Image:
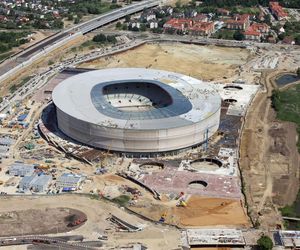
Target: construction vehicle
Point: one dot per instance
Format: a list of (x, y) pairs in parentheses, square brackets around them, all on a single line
[(181, 203), (163, 217), (43, 167)]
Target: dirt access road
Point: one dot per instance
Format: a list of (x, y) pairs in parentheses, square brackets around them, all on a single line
[(269, 159)]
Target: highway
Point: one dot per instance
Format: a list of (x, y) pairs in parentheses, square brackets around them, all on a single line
[(28, 56), (48, 241)]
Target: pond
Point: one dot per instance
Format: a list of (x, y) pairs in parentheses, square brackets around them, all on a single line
[(286, 79)]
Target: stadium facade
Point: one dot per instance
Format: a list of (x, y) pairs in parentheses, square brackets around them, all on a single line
[(136, 110)]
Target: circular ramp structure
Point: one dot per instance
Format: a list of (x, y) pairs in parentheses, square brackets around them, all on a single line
[(136, 110)]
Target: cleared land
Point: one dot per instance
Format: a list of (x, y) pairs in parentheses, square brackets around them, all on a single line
[(204, 62), (33, 221), (200, 211)]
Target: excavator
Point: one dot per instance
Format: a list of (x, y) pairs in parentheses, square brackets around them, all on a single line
[(181, 203)]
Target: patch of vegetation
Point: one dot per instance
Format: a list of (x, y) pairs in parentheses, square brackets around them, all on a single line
[(291, 210), (8, 40), (287, 106), (91, 7), (224, 34), (265, 243), (122, 200), (103, 39)]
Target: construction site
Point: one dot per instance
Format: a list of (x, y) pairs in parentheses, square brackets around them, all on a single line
[(191, 197)]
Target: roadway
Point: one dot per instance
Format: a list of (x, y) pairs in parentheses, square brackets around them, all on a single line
[(43, 241)]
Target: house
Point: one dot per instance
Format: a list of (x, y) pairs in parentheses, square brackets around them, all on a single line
[(68, 180), (223, 12), (134, 23), (278, 11), (148, 15), (201, 18), (185, 25), (153, 24), (256, 31), (202, 29), (178, 24), (238, 22)]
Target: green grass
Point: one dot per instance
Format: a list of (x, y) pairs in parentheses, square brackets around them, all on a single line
[(287, 105), (122, 200), (292, 211)]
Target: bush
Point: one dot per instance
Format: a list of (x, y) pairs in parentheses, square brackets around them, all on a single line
[(265, 243)]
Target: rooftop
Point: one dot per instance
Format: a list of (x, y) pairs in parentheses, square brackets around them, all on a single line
[(136, 98)]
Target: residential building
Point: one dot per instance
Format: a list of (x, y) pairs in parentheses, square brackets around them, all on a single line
[(178, 24), (21, 169), (238, 22), (192, 26), (202, 29), (256, 31), (278, 11), (223, 12)]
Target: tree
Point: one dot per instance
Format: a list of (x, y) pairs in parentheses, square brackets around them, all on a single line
[(265, 243), (127, 19), (99, 38), (238, 35), (70, 17), (119, 25), (298, 72), (143, 27)]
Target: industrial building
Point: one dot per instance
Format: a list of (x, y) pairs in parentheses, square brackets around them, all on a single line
[(137, 111), (36, 183), (215, 237), (20, 169), (68, 181)]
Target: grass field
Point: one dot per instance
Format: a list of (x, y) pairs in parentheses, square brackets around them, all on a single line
[(287, 105)]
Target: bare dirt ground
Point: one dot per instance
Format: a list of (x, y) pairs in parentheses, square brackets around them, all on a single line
[(153, 236), (33, 221), (204, 62), (200, 212), (269, 158)]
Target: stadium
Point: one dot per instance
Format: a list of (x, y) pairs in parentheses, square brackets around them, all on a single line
[(135, 110)]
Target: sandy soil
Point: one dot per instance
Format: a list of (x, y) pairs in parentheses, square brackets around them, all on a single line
[(33, 221), (200, 212), (204, 62)]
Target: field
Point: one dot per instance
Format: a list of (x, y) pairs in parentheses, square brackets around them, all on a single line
[(203, 62), (200, 211), (287, 106)]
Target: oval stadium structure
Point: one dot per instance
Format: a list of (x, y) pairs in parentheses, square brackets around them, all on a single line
[(135, 110)]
